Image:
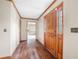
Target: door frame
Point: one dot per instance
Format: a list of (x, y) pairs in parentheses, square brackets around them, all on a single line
[(27, 26)]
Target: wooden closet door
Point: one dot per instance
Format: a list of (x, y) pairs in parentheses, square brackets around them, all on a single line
[(53, 33), (60, 30), (47, 30), (50, 33)]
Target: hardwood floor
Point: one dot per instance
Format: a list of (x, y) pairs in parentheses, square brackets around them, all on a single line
[(6, 57), (31, 50)]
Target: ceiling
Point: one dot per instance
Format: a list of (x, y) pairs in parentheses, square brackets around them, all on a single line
[(32, 8)]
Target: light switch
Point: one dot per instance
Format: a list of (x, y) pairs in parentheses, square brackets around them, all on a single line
[(74, 30), (5, 30)]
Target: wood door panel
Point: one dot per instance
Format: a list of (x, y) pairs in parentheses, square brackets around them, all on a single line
[(47, 40), (59, 56), (60, 44), (53, 46), (53, 34), (50, 33)]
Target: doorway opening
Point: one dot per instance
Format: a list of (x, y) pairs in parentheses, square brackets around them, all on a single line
[(31, 30)]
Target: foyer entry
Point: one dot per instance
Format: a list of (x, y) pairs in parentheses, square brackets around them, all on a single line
[(31, 30)]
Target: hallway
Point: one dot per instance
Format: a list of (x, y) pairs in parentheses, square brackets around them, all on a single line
[(31, 50), (38, 29)]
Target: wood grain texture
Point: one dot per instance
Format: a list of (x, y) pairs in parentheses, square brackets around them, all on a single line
[(52, 36), (46, 9), (8, 57), (50, 32), (31, 50)]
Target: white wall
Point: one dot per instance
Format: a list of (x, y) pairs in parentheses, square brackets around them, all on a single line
[(23, 29), (4, 23), (14, 29), (8, 20), (40, 30), (70, 21)]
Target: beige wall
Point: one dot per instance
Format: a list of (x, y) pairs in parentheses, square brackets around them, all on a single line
[(40, 30), (4, 24), (14, 28), (8, 20), (23, 29), (70, 20)]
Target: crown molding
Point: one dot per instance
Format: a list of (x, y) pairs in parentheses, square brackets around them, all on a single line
[(15, 8), (19, 13), (29, 18), (8, 0), (47, 9)]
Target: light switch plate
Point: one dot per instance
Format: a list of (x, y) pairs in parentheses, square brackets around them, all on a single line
[(5, 30), (74, 30)]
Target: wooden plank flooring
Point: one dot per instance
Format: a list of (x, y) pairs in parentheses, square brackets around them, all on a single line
[(8, 57), (31, 50)]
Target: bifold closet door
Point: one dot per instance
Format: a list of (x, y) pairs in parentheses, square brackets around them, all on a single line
[(53, 35), (60, 30), (50, 32)]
